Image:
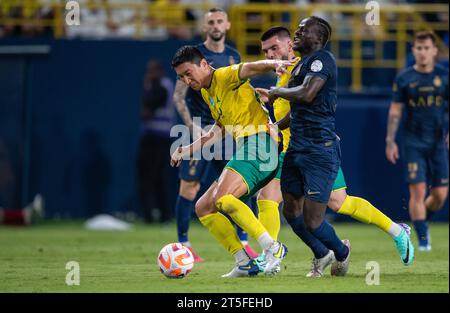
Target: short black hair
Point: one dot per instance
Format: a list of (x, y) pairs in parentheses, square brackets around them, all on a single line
[(280, 31), (325, 29), (187, 54)]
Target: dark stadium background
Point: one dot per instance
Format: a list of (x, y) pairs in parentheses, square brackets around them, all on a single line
[(70, 123)]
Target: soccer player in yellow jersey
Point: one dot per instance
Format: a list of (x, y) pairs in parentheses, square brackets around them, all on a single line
[(236, 108), (276, 44)]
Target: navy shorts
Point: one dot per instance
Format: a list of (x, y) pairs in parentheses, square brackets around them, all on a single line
[(426, 164), (197, 170), (311, 171)]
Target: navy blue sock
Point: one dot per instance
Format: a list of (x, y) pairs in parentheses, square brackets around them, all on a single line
[(326, 234), (430, 214), (421, 228), (243, 236), (183, 210), (298, 226)]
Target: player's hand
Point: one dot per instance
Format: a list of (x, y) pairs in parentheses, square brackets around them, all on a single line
[(281, 66), (273, 94), (177, 157), (273, 131), (263, 94), (392, 152)]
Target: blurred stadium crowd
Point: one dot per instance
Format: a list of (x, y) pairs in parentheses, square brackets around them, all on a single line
[(151, 19)]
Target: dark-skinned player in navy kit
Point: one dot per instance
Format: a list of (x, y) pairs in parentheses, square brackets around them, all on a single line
[(313, 157)]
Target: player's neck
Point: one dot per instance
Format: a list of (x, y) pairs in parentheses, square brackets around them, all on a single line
[(209, 78), (215, 46), (307, 52), (428, 68)]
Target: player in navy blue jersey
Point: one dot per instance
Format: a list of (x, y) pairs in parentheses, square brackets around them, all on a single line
[(313, 157), (422, 91), (190, 104)]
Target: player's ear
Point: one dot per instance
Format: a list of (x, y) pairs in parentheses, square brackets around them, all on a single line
[(290, 44), (203, 64), (228, 25), (435, 51)]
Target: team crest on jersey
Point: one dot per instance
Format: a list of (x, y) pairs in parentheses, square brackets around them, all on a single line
[(211, 101), (437, 81), (231, 60), (316, 66)]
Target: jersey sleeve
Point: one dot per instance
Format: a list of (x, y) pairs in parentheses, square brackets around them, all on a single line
[(229, 76), (323, 66), (398, 94)]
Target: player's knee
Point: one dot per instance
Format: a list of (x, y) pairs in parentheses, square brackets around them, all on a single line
[(418, 192), (312, 223), (439, 199), (203, 207), (189, 189), (270, 195), (337, 199), (289, 208), (334, 204)]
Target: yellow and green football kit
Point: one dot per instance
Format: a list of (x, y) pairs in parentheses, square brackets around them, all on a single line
[(235, 105)]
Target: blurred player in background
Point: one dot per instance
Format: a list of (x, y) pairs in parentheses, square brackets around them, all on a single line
[(423, 90), (157, 114), (189, 104), (276, 44), (237, 109)]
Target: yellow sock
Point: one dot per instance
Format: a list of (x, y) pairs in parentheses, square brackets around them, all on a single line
[(361, 210), (241, 214), (223, 231), (269, 216)]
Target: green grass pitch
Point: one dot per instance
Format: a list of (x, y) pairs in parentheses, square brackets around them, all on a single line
[(33, 259)]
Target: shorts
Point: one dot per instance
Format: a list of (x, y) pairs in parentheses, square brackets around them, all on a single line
[(426, 164), (197, 170), (339, 183), (256, 161), (311, 171)]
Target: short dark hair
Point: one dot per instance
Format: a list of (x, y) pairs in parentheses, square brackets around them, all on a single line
[(216, 9), (325, 29), (425, 34), (279, 31), (187, 54)]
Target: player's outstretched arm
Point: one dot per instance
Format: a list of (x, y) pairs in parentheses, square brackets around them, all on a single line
[(395, 115), (213, 135), (250, 69), (305, 93)]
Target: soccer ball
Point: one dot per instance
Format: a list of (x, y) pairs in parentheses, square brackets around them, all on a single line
[(175, 260)]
